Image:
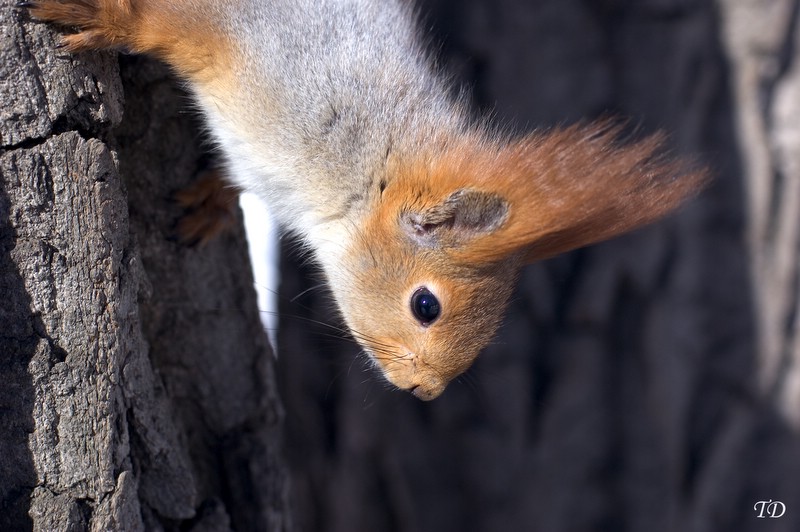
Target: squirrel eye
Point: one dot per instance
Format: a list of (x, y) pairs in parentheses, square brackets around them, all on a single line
[(425, 306)]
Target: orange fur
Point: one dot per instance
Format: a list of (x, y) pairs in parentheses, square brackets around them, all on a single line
[(191, 45), (566, 188), (580, 185)]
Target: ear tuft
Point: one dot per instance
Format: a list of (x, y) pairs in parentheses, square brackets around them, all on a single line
[(463, 215), (575, 186)]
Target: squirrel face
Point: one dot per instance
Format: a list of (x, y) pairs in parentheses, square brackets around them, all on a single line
[(430, 269), (421, 310), (420, 315)]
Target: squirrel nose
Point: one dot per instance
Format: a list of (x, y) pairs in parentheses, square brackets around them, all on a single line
[(430, 388)]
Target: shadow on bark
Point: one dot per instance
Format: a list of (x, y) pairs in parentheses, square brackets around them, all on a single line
[(18, 345)]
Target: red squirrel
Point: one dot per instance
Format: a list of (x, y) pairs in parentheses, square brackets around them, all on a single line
[(420, 216)]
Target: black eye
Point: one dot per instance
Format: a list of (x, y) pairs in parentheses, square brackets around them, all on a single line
[(425, 306)]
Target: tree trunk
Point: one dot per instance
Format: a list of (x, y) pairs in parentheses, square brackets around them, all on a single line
[(763, 44), (138, 386), (647, 383)]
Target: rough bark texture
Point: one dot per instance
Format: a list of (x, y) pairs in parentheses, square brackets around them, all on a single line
[(648, 383), (138, 387)]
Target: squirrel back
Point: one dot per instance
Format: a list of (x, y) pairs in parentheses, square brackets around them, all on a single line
[(421, 218)]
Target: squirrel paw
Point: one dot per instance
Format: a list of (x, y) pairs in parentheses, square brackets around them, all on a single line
[(210, 204), (102, 23)]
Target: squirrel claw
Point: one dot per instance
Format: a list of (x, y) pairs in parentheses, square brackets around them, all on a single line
[(210, 209)]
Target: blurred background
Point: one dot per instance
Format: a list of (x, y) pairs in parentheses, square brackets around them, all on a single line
[(649, 383)]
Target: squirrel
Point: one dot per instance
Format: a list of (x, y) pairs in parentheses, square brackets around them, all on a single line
[(420, 215)]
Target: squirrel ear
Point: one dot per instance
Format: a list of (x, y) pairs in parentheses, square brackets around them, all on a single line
[(463, 215), (577, 186)]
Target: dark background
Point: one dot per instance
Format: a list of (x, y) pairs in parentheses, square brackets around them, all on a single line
[(626, 389)]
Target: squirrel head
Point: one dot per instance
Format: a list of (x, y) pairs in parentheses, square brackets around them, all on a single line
[(429, 274)]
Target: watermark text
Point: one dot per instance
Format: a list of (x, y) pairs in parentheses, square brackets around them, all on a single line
[(769, 509)]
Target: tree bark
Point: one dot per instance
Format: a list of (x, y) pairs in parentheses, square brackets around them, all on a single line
[(647, 383), (138, 386)]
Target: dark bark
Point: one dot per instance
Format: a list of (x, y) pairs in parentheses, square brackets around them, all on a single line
[(138, 387), (626, 390)]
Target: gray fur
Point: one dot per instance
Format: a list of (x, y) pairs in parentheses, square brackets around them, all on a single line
[(329, 88)]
